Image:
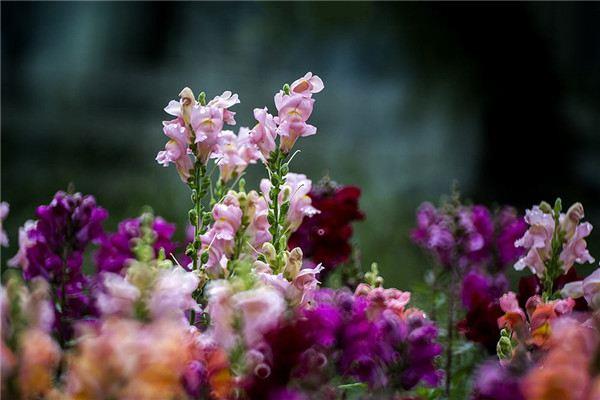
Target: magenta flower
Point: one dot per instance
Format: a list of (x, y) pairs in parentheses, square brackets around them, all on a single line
[(434, 232), (116, 249)]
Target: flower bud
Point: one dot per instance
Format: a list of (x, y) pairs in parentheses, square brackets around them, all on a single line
[(293, 263), (269, 252), (187, 101)]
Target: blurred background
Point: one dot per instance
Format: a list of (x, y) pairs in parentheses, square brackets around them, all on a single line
[(503, 99)]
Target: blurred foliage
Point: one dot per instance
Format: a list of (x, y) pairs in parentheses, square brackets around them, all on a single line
[(502, 98)]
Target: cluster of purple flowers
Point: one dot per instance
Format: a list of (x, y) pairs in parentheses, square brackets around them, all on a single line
[(469, 236), (52, 247), (116, 249), (367, 337)]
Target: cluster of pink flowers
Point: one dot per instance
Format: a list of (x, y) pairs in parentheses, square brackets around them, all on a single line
[(544, 227)]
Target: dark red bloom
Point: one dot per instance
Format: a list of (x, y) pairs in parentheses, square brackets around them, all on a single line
[(325, 238)]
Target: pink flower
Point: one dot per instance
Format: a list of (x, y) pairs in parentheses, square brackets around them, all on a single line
[(219, 238), (234, 153), (264, 133), (591, 289), (4, 208), (293, 107), (25, 242), (258, 229), (537, 239), (261, 309), (224, 101), (297, 187), (300, 202), (307, 85), (207, 122), (118, 295), (220, 308), (514, 315), (575, 249), (176, 150), (181, 109), (172, 293)]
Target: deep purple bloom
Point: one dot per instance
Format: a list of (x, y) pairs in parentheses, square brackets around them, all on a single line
[(495, 382), (117, 248), (54, 250), (510, 228), (325, 237), (195, 379), (480, 296)]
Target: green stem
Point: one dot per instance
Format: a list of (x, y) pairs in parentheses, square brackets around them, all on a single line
[(278, 170), (450, 333)]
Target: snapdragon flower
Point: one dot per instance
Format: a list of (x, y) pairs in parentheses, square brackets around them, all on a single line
[(588, 288), (549, 232), (234, 153), (264, 132), (295, 190)]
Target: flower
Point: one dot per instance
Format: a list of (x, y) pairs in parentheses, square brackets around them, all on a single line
[(324, 238), (511, 228), (176, 150), (264, 132), (514, 315), (434, 232), (118, 295), (307, 85), (496, 382), (589, 288), (4, 208), (261, 309), (224, 101), (234, 153), (219, 238), (172, 293), (538, 240), (480, 296), (117, 249), (52, 247)]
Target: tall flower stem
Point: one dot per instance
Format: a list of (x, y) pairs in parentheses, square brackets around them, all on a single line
[(277, 214)]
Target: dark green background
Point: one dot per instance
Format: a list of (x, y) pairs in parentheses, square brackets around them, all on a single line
[(504, 99)]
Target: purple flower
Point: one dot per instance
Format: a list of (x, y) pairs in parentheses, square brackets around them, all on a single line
[(511, 228), (52, 247), (434, 232), (495, 382), (117, 248)]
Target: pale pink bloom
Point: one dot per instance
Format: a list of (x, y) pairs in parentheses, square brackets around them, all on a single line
[(224, 101), (588, 288), (290, 131), (575, 249), (306, 280), (220, 309), (591, 289), (4, 208), (176, 150), (297, 187), (38, 361), (537, 240), (307, 85), (181, 109), (261, 309), (264, 133), (172, 293), (227, 216), (293, 107), (25, 242), (234, 153), (300, 202), (563, 306), (258, 229), (207, 123), (118, 295)]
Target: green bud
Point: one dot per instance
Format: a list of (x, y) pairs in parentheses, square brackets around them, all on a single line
[(206, 217), (271, 218), (202, 98), (285, 168), (193, 216), (284, 209), (204, 257), (504, 347), (545, 207), (558, 205), (242, 185), (286, 89)]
